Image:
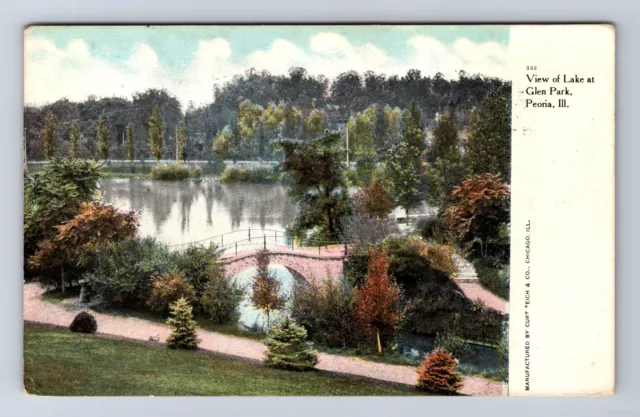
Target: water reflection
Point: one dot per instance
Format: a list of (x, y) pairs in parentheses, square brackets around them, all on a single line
[(181, 212)]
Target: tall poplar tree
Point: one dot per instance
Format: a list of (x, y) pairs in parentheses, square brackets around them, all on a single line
[(155, 130), (182, 141), (74, 138), (129, 142), (102, 140), (49, 136)]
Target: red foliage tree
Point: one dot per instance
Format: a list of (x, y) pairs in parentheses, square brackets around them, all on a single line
[(479, 210), (93, 226), (438, 374), (265, 287), (376, 302), (375, 200)]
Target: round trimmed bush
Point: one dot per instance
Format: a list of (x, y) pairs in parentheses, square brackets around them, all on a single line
[(84, 323)]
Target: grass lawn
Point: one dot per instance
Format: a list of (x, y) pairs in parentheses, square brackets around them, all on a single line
[(58, 362)]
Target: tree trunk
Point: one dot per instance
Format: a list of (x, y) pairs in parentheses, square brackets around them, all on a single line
[(379, 344), (62, 275)]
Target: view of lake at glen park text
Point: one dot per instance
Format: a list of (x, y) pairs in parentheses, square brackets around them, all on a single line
[(319, 210)]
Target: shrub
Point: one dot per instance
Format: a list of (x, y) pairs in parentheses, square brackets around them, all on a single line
[(438, 374), (174, 172), (250, 175), (221, 299), (167, 289), (437, 306), (84, 322), (364, 230), (450, 342), (183, 326), (198, 265), (440, 258), (431, 228), (93, 226), (492, 276), (287, 348), (408, 264), (325, 310), (122, 272)]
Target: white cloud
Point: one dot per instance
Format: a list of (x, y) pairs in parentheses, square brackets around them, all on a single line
[(52, 73)]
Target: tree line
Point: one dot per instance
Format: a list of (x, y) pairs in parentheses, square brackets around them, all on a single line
[(249, 113)]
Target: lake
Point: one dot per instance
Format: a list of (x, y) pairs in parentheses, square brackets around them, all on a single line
[(180, 212)]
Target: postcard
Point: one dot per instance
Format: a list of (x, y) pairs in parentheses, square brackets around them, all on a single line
[(361, 210)]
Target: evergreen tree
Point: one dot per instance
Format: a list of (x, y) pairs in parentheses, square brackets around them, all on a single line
[(129, 140), (49, 136), (489, 144), (183, 326), (102, 140), (287, 348), (317, 185), (376, 301), (438, 374), (74, 138), (155, 130), (412, 127), (265, 287), (404, 164), (445, 169)]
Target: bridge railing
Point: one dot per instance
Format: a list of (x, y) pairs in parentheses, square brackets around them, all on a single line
[(269, 238)]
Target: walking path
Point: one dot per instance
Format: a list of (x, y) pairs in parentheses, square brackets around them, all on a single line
[(37, 310), (467, 281)]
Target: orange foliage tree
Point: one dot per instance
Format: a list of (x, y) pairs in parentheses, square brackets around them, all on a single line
[(376, 302), (375, 200), (438, 374), (265, 287), (479, 213), (93, 226)]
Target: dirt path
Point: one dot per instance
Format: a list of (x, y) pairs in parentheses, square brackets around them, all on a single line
[(37, 310)]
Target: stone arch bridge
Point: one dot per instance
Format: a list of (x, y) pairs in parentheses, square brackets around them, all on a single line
[(307, 263)]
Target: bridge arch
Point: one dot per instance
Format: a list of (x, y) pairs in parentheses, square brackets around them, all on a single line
[(305, 265)]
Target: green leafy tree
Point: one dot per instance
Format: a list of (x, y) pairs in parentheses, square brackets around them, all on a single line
[(489, 144), (74, 138), (265, 295), (53, 196), (446, 169), (183, 326), (317, 185), (362, 132), (182, 141), (412, 127), (315, 123), (287, 348), (102, 139), (155, 130), (129, 140), (49, 136)]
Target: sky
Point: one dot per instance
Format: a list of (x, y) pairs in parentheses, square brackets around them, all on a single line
[(106, 61)]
